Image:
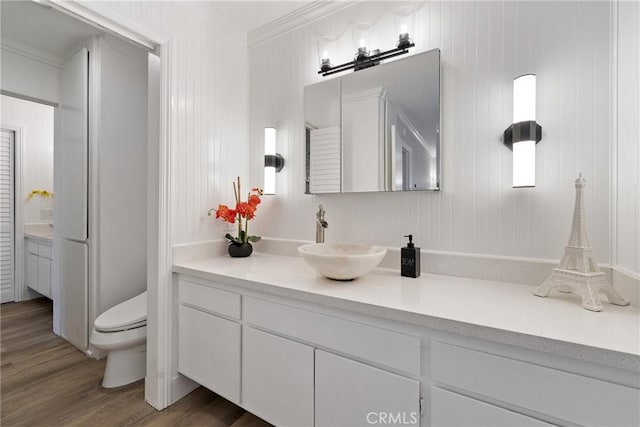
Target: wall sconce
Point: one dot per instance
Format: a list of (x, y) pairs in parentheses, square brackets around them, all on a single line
[(404, 20), (523, 135), (273, 162), (366, 57)]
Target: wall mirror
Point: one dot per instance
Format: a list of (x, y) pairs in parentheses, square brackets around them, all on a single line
[(377, 129)]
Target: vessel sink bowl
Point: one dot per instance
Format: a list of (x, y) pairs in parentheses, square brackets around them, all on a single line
[(342, 261)]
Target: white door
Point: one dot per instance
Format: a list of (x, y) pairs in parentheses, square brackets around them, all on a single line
[(7, 212), (74, 146), (75, 282), (72, 143), (209, 351), (277, 378), (350, 393)]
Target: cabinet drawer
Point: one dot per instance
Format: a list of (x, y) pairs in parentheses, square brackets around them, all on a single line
[(209, 351), (560, 394), (210, 299), (44, 251), (350, 393), (377, 345), (31, 246), (452, 409)]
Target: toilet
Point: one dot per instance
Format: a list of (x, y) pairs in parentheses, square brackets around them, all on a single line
[(122, 331)]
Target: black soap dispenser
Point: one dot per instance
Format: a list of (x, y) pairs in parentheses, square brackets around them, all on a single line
[(410, 259)]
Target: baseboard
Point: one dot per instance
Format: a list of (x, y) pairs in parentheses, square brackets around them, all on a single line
[(180, 387)]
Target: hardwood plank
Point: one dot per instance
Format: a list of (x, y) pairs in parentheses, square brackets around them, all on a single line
[(46, 381)]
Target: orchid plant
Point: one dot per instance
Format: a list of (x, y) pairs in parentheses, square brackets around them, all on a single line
[(42, 193), (242, 214)]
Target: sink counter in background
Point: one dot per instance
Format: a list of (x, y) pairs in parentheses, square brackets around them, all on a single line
[(39, 231), (502, 312)]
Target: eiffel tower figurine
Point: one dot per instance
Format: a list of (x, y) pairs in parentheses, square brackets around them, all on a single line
[(578, 269)]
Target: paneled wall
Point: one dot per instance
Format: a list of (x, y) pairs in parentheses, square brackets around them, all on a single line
[(208, 116), (484, 45), (627, 160), (36, 122)]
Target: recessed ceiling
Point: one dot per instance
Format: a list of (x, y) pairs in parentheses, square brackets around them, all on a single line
[(43, 29), (247, 16)]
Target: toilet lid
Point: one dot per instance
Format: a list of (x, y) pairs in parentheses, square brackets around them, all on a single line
[(127, 315)]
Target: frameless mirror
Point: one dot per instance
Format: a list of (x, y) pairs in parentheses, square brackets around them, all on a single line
[(377, 129)]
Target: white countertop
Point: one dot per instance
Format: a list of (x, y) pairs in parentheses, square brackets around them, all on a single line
[(497, 311), (39, 231)]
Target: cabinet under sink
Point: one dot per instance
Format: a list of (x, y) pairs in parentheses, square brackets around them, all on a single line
[(38, 259), (295, 363)]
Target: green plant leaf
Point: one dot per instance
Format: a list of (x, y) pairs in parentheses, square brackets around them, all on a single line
[(254, 238), (232, 239)]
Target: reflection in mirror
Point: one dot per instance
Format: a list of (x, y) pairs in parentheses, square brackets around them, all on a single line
[(322, 123), (387, 133)]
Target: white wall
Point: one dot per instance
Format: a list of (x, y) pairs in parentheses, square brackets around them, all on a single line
[(208, 116), (36, 121), (29, 73), (627, 160), (484, 46)]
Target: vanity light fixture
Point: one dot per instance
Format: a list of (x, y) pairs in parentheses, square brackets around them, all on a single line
[(523, 135), (366, 57), (325, 51), (404, 20), (273, 162)]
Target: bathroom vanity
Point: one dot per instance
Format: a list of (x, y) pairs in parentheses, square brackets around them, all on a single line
[(294, 348), (38, 258)]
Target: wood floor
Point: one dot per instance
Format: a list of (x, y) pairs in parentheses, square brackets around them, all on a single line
[(45, 381)]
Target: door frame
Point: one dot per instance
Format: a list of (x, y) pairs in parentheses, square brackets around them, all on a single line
[(18, 221), (160, 388)]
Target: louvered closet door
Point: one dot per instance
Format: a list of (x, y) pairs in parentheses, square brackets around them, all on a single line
[(6, 217), (324, 170)]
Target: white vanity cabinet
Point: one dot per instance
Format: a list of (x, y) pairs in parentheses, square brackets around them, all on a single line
[(298, 363), (38, 260), (209, 343), (287, 380)]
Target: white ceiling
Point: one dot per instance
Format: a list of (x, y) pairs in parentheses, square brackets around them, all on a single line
[(48, 31), (247, 16), (42, 28)]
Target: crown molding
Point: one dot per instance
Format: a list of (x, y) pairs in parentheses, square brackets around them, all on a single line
[(31, 53), (296, 19)]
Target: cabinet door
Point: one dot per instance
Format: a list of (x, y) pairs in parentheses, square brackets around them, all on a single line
[(350, 393), (277, 378), (452, 409), (209, 351), (44, 276), (31, 270)]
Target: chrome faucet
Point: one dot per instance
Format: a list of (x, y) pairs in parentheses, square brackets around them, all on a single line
[(321, 224)]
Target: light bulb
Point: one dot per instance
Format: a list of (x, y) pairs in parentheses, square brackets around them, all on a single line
[(524, 164)]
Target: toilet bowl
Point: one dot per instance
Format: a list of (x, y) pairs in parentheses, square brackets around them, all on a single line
[(122, 331)]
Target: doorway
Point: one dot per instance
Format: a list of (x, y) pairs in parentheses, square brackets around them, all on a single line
[(158, 384), (7, 216)]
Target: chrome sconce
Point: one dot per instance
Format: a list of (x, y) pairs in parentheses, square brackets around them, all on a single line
[(523, 135), (273, 162), (365, 57)]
